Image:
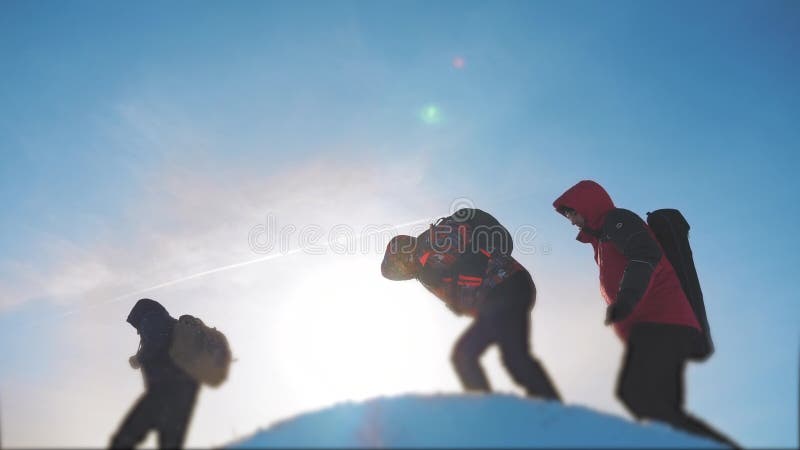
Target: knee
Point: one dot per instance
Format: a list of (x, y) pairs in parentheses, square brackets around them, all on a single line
[(461, 357)]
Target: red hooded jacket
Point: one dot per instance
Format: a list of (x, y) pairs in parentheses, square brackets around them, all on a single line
[(663, 300)]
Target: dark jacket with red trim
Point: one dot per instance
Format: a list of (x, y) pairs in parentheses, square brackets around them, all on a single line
[(636, 280), (461, 258)]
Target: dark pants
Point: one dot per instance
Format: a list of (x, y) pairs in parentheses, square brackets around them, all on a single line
[(165, 409), (505, 319), (651, 382)]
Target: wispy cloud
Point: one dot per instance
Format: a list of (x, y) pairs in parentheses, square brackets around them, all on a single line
[(192, 219), (293, 317)]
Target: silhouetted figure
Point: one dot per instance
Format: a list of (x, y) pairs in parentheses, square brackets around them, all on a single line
[(646, 304), (465, 260), (169, 398)]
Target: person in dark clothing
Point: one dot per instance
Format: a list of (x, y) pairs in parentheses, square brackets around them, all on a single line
[(170, 394), (646, 305), (475, 275), (505, 320)]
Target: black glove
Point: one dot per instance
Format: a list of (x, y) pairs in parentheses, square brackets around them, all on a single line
[(134, 361), (620, 309)]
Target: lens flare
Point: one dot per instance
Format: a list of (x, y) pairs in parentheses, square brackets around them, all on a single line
[(458, 62), (431, 115)]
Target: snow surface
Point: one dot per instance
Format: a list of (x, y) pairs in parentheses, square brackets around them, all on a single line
[(465, 421)]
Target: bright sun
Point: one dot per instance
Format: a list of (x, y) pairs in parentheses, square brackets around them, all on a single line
[(359, 336)]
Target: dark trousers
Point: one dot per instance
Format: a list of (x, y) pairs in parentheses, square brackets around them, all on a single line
[(165, 409), (505, 319), (651, 382)]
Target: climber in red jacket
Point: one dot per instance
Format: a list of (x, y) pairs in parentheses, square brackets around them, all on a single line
[(646, 305)]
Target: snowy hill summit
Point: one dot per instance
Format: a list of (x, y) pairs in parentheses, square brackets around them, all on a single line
[(451, 420)]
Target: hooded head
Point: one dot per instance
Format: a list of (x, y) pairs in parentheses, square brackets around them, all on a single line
[(398, 261), (588, 199), (145, 307)]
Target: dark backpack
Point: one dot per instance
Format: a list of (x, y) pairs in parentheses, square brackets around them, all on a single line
[(470, 230), (200, 351), (672, 231)]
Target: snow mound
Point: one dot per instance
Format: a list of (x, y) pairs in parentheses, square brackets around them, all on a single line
[(465, 421)]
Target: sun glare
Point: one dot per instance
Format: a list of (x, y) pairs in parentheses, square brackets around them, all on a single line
[(431, 115), (359, 334)]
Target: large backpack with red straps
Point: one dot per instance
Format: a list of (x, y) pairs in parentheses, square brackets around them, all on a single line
[(464, 255), (469, 230), (672, 231)]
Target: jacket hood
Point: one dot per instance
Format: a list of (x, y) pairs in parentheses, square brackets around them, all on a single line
[(589, 199), (143, 308)]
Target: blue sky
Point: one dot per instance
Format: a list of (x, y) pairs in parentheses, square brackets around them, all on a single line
[(126, 125)]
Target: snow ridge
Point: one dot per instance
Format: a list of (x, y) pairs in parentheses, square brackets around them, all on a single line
[(465, 420)]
